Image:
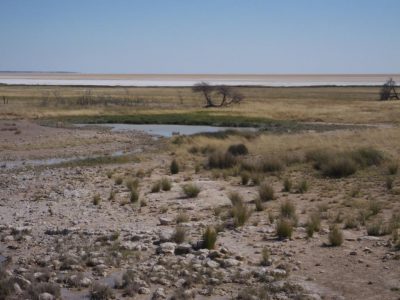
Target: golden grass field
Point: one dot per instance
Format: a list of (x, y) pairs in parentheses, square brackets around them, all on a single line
[(355, 105)]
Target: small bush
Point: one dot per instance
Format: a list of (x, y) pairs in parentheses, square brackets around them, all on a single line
[(288, 210), (265, 257), (350, 222), (266, 192), (245, 177), (182, 218), (389, 183), (179, 235), (209, 237), (284, 228), (287, 185), (271, 165), (134, 197), (259, 205), (101, 292), (111, 197), (377, 228), (191, 190), (313, 224), (132, 184), (96, 199), (367, 157), (174, 167), (118, 180), (302, 187), (235, 198), (166, 184), (335, 236), (156, 187), (238, 149), (339, 167), (393, 168), (220, 160), (240, 213), (374, 207)]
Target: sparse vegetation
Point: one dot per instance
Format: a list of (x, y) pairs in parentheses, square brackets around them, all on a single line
[(134, 196), (179, 235), (284, 228), (209, 237), (238, 149), (302, 187), (166, 184), (266, 192), (313, 224), (96, 199), (174, 167), (101, 292), (191, 190), (182, 217), (287, 185), (335, 236), (156, 187)]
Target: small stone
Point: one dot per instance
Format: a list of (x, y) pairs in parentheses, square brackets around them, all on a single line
[(46, 296), (144, 291)]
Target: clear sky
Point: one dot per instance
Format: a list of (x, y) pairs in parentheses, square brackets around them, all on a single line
[(201, 36)]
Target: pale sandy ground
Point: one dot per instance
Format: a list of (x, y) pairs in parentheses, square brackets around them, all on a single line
[(190, 79)]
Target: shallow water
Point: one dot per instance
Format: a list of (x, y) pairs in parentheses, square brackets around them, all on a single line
[(169, 130)]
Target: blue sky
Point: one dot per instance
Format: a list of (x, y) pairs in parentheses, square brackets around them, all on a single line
[(201, 36)]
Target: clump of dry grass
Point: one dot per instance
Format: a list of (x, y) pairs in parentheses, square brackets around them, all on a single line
[(182, 217), (191, 190), (238, 149), (179, 235), (239, 211), (209, 237), (266, 192), (313, 224), (156, 187), (221, 160), (335, 236), (284, 228), (174, 167), (287, 185), (96, 199)]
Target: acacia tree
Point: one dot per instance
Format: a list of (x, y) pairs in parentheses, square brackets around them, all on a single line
[(227, 94), (388, 90)]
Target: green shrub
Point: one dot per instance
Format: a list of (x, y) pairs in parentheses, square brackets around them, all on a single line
[(209, 238), (174, 167), (179, 235), (245, 177), (220, 160), (156, 187), (238, 149), (335, 236), (96, 199), (287, 185), (284, 228), (191, 190), (266, 192), (134, 197), (166, 184)]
